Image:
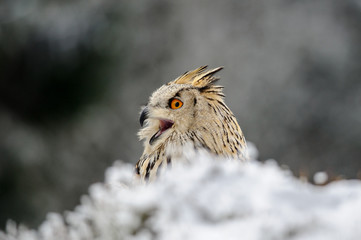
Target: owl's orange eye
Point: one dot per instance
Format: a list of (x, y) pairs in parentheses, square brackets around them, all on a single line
[(175, 103)]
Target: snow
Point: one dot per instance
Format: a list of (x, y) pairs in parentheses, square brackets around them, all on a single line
[(320, 178), (207, 199)]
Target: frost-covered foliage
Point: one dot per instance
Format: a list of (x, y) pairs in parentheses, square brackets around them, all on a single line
[(207, 199)]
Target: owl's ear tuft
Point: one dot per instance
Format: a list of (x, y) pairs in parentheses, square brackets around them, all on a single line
[(199, 77), (203, 80)]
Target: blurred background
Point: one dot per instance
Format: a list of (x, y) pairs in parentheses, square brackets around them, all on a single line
[(74, 74)]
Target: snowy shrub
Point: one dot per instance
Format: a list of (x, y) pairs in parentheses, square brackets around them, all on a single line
[(207, 199)]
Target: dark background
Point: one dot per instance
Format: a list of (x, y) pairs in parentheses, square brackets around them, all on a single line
[(74, 74)]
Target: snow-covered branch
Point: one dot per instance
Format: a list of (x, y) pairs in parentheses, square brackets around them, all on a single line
[(208, 199)]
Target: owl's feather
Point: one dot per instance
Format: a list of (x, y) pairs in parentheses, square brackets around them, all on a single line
[(203, 121), (198, 77)]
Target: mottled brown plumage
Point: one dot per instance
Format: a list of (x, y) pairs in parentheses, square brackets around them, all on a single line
[(187, 112)]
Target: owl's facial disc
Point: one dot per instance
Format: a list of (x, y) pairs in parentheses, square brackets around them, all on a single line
[(164, 125)]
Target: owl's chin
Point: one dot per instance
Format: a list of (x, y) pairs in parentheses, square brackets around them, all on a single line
[(164, 125)]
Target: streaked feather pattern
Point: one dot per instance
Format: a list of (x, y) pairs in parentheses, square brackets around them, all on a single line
[(202, 122)]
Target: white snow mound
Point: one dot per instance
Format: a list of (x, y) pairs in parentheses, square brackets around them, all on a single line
[(207, 199)]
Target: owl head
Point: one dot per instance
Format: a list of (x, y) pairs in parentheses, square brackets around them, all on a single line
[(180, 105)]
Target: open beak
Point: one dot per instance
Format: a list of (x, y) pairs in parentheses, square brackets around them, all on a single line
[(164, 125)]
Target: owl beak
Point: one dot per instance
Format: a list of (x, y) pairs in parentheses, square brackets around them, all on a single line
[(143, 116), (164, 125)]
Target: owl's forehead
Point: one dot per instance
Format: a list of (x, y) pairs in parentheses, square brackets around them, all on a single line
[(166, 92)]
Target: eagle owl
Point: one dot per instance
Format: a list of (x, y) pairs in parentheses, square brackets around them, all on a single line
[(188, 111)]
